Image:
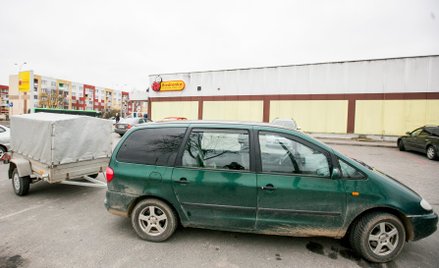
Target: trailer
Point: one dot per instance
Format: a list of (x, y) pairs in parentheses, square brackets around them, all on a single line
[(58, 148)]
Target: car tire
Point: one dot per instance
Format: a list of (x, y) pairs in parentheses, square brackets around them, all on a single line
[(153, 220), (401, 145), (20, 184), (378, 237), (431, 153)]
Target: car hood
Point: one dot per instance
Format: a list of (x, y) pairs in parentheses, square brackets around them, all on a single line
[(382, 174)]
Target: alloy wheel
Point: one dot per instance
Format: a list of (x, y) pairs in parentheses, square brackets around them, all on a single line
[(153, 220), (430, 152), (383, 239)]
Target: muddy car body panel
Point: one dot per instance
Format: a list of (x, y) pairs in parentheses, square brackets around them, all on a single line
[(255, 178)]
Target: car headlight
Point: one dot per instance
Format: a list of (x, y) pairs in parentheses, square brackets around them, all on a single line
[(425, 205)]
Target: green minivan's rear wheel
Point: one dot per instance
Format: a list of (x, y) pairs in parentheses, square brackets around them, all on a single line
[(378, 237), (153, 220)]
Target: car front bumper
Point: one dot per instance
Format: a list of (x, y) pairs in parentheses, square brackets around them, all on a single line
[(423, 225)]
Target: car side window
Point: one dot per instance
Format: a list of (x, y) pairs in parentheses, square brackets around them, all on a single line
[(217, 149), (424, 133), (152, 146), (2, 130), (416, 132), (349, 172), (280, 154)]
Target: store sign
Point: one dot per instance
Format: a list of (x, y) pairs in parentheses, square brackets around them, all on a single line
[(24, 81), (173, 85)]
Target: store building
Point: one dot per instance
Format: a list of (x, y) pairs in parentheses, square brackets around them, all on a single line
[(138, 103), (380, 97), (28, 90)]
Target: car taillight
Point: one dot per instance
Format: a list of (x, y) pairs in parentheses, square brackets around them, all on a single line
[(109, 174), (128, 126)]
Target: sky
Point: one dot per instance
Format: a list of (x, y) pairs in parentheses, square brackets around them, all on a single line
[(117, 44)]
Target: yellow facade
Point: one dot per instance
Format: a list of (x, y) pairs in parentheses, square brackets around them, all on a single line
[(394, 117), (233, 110), (328, 116), (188, 109), (24, 81)]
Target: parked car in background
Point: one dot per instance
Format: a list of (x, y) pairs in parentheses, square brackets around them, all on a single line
[(5, 139), (172, 118), (113, 120), (424, 140), (259, 178), (126, 124), (286, 122)]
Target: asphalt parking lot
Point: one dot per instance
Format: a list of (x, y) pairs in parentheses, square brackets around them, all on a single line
[(68, 226)]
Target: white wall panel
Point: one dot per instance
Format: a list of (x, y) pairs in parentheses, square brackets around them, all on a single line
[(433, 77), (416, 74)]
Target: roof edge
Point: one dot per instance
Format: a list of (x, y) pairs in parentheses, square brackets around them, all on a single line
[(291, 65)]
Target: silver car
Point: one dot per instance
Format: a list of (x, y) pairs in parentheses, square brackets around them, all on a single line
[(126, 124), (286, 122), (5, 138)]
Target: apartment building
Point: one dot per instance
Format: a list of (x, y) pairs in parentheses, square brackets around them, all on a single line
[(4, 101), (28, 90)]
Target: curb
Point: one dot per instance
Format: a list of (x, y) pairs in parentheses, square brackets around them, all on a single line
[(354, 143)]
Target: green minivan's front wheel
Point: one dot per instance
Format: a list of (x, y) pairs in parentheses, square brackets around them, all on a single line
[(153, 220), (378, 237)]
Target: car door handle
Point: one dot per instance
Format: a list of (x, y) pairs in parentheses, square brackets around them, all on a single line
[(268, 187), (182, 181)]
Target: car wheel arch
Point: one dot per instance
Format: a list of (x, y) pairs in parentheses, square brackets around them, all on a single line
[(5, 149), (428, 144), (144, 197), (405, 221), (12, 166)]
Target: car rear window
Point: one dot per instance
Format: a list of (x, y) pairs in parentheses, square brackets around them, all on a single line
[(433, 130), (151, 146)]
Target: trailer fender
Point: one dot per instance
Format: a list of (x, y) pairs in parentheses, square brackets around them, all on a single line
[(23, 166)]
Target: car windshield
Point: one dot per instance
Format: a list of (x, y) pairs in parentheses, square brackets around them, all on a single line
[(129, 121), (362, 163)]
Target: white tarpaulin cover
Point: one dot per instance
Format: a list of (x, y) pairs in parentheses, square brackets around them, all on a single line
[(59, 138)]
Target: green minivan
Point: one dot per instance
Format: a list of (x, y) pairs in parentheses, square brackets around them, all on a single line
[(250, 177)]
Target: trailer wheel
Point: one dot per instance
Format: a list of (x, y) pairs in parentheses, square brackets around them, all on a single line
[(20, 184)]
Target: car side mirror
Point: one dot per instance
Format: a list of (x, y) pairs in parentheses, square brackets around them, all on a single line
[(299, 128), (408, 133), (336, 174)]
